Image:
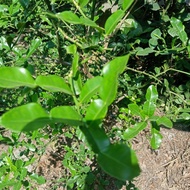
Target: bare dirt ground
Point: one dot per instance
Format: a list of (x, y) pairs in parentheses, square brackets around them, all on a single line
[(167, 168)]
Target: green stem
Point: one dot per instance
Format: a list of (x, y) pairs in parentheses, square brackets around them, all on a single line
[(68, 38), (79, 9), (144, 73)]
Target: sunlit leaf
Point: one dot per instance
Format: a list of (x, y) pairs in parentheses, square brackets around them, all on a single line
[(12, 77), (127, 4), (131, 132), (149, 108), (120, 162), (96, 111), (67, 115), (53, 83), (180, 29), (28, 117), (37, 178), (151, 94), (156, 138), (164, 121), (82, 3), (112, 21), (69, 17), (90, 88), (136, 110)]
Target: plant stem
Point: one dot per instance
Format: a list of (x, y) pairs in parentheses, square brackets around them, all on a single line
[(79, 9)]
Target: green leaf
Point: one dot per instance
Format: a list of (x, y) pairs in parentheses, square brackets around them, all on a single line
[(90, 88), (28, 117), (12, 77), (76, 76), (53, 83), (96, 112), (112, 21), (149, 108), (88, 22), (164, 121), (156, 138), (131, 132), (67, 115), (136, 110), (120, 162), (151, 94), (110, 76), (96, 137), (180, 29), (127, 4), (69, 17), (82, 3), (145, 52), (33, 47), (39, 179), (24, 3), (116, 66)]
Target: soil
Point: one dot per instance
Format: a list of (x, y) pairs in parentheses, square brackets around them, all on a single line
[(167, 168)]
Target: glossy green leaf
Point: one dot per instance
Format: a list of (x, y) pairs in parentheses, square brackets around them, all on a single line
[(88, 22), (156, 138), (120, 162), (96, 112), (180, 29), (110, 73), (127, 4), (131, 132), (164, 121), (151, 94), (116, 66), (53, 83), (69, 17), (12, 77), (67, 115), (90, 88), (96, 137), (28, 117), (136, 110), (112, 21), (149, 108)]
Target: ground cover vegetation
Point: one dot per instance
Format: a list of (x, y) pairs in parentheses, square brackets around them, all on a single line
[(73, 69)]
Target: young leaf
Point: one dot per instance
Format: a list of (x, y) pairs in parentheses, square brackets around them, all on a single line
[(28, 117), (164, 121), (96, 112), (67, 115), (156, 138), (12, 77), (136, 110), (69, 17), (119, 161), (90, 88), (149, 108), (112, 21), (53, 83), (145, 52), (131, 132), (152, 94), (88, 22)]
